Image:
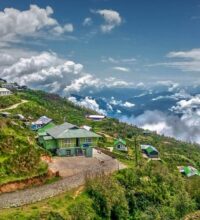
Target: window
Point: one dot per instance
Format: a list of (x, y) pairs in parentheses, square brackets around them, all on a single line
[(68, 152), (67, 141), (88, 140)]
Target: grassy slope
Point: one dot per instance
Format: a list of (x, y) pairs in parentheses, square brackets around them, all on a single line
[(172, 152), (6, 101)]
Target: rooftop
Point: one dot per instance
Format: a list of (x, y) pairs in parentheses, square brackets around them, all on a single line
[(120, 140), (148, 148), (43, 120), (4, 90), (68, 130)]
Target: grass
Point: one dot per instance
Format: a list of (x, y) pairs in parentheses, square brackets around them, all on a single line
[(7, 101)]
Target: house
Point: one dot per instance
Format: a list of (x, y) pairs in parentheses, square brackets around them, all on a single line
[(42, 131), (120, 145), (10, 86), (188, 171), (69, 140), (149, 151), (4, 92), (96, 117), (44, 120)]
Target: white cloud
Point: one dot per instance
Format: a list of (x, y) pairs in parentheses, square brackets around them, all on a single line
[(113, 82), (121, 60), (44, 71), (81, 83), (128, 104), (186, 128), (88, 102), (187, 107), (47, 71), (15, 23), (112, 19), (170, 84), (87, 21), (58, 30), (185, 60), (120, 68), (192, 54)]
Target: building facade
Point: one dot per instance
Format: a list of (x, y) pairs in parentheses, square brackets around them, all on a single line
[(69, 140), (4, 92)]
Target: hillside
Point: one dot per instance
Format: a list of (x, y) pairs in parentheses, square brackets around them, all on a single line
[(147, 190)]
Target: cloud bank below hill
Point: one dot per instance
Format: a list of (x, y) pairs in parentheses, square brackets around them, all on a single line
[(186, 127)]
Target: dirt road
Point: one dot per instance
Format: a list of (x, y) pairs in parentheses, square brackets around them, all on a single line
[(13, 106)]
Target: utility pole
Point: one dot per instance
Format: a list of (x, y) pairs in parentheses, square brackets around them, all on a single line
[(136, 150)]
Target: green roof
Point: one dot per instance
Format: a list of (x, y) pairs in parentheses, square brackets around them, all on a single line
[(42, 131), (189, 171), (68, 130), (148, 148), (120, 141)]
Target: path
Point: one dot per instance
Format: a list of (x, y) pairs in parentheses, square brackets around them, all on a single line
[(35, 194), (13, 106)]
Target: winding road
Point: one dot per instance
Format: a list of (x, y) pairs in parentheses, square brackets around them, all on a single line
[(13, 106), (35, 194)]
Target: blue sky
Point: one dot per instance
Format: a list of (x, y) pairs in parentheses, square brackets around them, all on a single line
[(144, 41)]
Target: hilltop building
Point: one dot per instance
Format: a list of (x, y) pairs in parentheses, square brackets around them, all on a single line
[(5, 92), (68, 140), (96, 117)]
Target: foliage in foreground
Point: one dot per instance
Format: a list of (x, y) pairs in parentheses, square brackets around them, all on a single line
[(144, 193), (6, 101)]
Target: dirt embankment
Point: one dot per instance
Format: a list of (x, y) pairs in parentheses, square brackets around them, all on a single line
[(22, 184)]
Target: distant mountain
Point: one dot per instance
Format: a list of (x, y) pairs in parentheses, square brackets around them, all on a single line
[(142, 106)]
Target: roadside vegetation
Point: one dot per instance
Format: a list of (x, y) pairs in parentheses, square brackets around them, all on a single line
[(145, 190), (7, 101)]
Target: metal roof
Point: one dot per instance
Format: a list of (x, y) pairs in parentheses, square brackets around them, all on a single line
[(68, 130), (42, 120), (148, 148), (4, 90)]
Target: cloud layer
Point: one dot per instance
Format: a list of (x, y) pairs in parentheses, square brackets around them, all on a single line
[(186, 61), (15, 23)]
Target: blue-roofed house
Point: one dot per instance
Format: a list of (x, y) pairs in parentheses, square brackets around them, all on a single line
[(42, 121)]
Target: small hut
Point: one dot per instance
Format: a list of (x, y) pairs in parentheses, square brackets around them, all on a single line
[(150, 151), (189, 171), (120, 145)]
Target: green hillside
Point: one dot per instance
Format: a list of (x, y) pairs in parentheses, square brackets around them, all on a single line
[(147, 190)]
